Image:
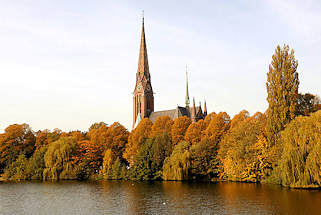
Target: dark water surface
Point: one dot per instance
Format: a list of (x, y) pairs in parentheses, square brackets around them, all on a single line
[(123, 197)]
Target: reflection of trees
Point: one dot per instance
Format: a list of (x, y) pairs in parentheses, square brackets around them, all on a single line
[(128, 197), (245, 198)]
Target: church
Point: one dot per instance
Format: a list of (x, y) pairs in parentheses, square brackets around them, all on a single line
[(143, 99)]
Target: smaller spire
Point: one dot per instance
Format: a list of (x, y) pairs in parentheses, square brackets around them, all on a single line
[(143, 16), (193, 116), (187, 94), (205, 108)]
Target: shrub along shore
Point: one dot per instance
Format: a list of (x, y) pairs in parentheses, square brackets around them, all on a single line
[(281, 146)]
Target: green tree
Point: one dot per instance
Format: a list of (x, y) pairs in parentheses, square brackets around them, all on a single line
[(17, 170), (136, 138), (204, 161), (144, 167), (58, 160), (176, 167), (36, 163), (282, 89), (300, 163)]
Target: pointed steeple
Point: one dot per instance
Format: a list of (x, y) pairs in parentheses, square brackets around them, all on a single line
[(187, 94), (143, 99), (143, 68), (193, 116), (205, 109)]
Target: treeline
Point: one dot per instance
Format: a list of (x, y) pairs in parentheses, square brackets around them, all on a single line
[(282, 145)]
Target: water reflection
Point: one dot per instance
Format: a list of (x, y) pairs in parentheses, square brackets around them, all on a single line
[(126, 197)]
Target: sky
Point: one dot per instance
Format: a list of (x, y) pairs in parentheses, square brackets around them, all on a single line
[(69, 64)]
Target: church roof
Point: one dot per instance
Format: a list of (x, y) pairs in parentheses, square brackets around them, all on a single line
[(174, 113)]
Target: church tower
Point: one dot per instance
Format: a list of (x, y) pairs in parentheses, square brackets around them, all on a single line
[(143, 100)]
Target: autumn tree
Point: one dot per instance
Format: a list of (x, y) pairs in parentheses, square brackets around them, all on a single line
[(163, 124), (240, 117), (116, 139), (239, 149), (300, 163), (179, 129), (209, 117), (176, 167), (204, 161), (195, 131), (17, 170), (308, 103), (58, 159), (107, 164), (16, 140), (162, 148), (136, 138), (218, 126), (98, 133), (282, 89), (144, 167), (88, 158)]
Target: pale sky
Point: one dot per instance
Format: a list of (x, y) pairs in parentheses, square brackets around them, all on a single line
[(68, 64)]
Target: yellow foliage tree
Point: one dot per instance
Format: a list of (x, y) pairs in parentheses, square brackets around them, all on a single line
[(136, 138), (218, 126), (179, 129), (195, 131), (163, 124)]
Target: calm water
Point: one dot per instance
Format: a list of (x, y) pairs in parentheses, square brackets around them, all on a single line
[(121, 197)]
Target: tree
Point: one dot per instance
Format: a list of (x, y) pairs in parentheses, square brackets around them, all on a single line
[(209, 118), (116, 139), (195, 131), (16, 140), (136, 138), (204, 161), (36, 163), (162, 148), (282, 89), (176, 167), (218, 126), (300, 162), (89, 158), (144, 167), (18, 169), (179, 129), (163, 124), (107, 164), (240, 117), (58, 160), (239, 149), (98, 134), (308, 103)]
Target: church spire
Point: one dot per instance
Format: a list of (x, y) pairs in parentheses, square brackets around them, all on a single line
[(143, 99), (187, 94), (143, 68), (193, 116)]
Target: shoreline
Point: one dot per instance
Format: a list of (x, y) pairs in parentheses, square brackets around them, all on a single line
[(311, 187)]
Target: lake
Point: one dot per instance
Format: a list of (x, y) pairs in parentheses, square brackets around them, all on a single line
[(126, 197)]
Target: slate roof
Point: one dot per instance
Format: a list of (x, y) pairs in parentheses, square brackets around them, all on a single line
[(174, 113)]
